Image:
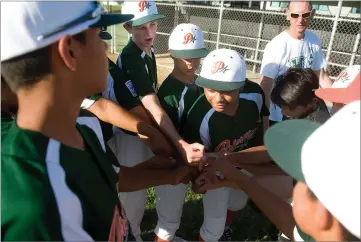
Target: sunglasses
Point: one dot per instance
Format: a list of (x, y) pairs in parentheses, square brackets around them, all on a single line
[(93, 14), (303, 15)]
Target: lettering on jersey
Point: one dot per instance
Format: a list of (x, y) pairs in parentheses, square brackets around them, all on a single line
[(118, 229), (130, 86), (219, 66), (143, 5), (237, 144), (189, 38), (302, 61)]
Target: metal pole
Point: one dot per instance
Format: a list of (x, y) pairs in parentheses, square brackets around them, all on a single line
[(114, 39), (354, 50), (259, 36), (219, 24), (176, 15), (334, 28)]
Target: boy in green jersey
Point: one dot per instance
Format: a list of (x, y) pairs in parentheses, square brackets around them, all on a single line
[(177, 94)]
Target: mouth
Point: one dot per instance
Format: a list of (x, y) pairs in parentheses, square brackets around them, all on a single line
[(149, 40)]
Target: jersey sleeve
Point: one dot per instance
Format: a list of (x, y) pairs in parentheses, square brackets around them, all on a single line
[(28, 210), (137, 72), (125, 94), (269, 66), (89, 101)]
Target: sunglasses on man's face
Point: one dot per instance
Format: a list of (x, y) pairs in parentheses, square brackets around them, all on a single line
[(303, 15)]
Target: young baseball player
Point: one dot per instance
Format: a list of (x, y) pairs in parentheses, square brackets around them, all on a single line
[(177, 94), (57, 54), (338, 94), (227, 118), (294, 93), (137, 61), (115, 113)]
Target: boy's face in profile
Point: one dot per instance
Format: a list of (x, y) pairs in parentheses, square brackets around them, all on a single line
[(222, 101), (143, 35), (299, 111), (187, 66)]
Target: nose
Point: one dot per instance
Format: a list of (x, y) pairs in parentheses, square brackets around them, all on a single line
[(218, 97), (300, 19)]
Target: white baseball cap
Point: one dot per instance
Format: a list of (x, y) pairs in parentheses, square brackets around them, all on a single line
[(186, 42), (28, 26), (326, 158), (345, 89), (222, 70), (143, 11)]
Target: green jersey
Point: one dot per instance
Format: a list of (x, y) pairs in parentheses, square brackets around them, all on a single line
[(177, 98), (139, 68), (51, 191), (219, 132)]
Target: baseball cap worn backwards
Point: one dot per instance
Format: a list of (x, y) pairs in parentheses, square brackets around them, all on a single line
[(143, 11), (222, 70), (325, 157), (28, 26), (345, 89), (186, 42)]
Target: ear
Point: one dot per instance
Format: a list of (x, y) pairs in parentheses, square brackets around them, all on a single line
[(66, 52), (128, 28), (323, 219), (288, 14), (313, 12)]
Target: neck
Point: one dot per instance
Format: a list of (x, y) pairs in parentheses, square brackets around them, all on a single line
[(187, 79), (231, 110), (45, 110), (296, 35)]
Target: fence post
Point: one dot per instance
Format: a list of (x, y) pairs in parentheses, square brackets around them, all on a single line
[(259, 36), (176, 15), (114, 39), (354, 50), (220, 23), (334, 29)]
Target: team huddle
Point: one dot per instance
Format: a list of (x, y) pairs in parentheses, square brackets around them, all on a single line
[(84, 137)]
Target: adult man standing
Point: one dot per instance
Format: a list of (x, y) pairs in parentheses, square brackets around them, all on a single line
[(295, 47)]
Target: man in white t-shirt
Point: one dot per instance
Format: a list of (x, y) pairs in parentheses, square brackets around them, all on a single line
[(295, 47)]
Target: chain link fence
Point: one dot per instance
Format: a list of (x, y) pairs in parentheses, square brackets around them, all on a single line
[(247, 27)]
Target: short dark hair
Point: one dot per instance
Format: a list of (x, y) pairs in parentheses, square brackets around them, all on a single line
[(309, 3), (26, 70), (295, 88), (347, 236)]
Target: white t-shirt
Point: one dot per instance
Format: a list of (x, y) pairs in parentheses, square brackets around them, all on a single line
[(284, 52)]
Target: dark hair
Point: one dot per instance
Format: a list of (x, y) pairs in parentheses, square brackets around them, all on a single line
[(25, 70), (347, 236), (309, 3), (295, 88)]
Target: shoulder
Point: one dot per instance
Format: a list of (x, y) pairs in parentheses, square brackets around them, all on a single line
[(252, 87), (312, 38), (277, 40), (170, 84)]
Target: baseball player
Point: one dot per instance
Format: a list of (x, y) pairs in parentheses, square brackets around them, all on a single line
[(51, 68), (176, 95), (137, 61), (225, 120), (115, 113)]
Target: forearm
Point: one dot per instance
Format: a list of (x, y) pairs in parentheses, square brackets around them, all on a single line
[(253, 156), (266, 85), (278, 211), (134, 179), (324, 79)]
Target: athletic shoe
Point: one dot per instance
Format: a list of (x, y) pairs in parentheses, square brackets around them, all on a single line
[(227, 234)]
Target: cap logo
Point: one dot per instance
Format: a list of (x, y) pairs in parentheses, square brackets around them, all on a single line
[(143, 5), (343, 77), (219, 66), (189, 38)]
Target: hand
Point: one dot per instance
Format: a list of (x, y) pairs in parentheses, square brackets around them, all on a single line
[(185, 173), (220, 163), (192, 153)]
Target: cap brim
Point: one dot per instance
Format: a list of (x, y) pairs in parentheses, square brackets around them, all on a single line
[(105, 35), (218, 85), (189, 54), (336, 95), (284, 142), (112, 19), (146, 19)]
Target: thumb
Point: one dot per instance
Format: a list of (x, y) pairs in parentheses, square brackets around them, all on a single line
[(198, 147)]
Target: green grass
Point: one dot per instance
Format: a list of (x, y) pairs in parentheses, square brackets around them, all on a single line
[(248, 225)]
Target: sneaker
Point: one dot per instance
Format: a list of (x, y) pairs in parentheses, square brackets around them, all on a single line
[(227, 234)]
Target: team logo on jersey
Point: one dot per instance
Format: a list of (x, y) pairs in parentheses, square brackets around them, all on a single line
[(237, 144), (219, 66), (143, 5), (130, 86), (189, 38)]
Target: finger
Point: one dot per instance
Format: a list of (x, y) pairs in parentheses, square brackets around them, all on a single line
[(198, 147)]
